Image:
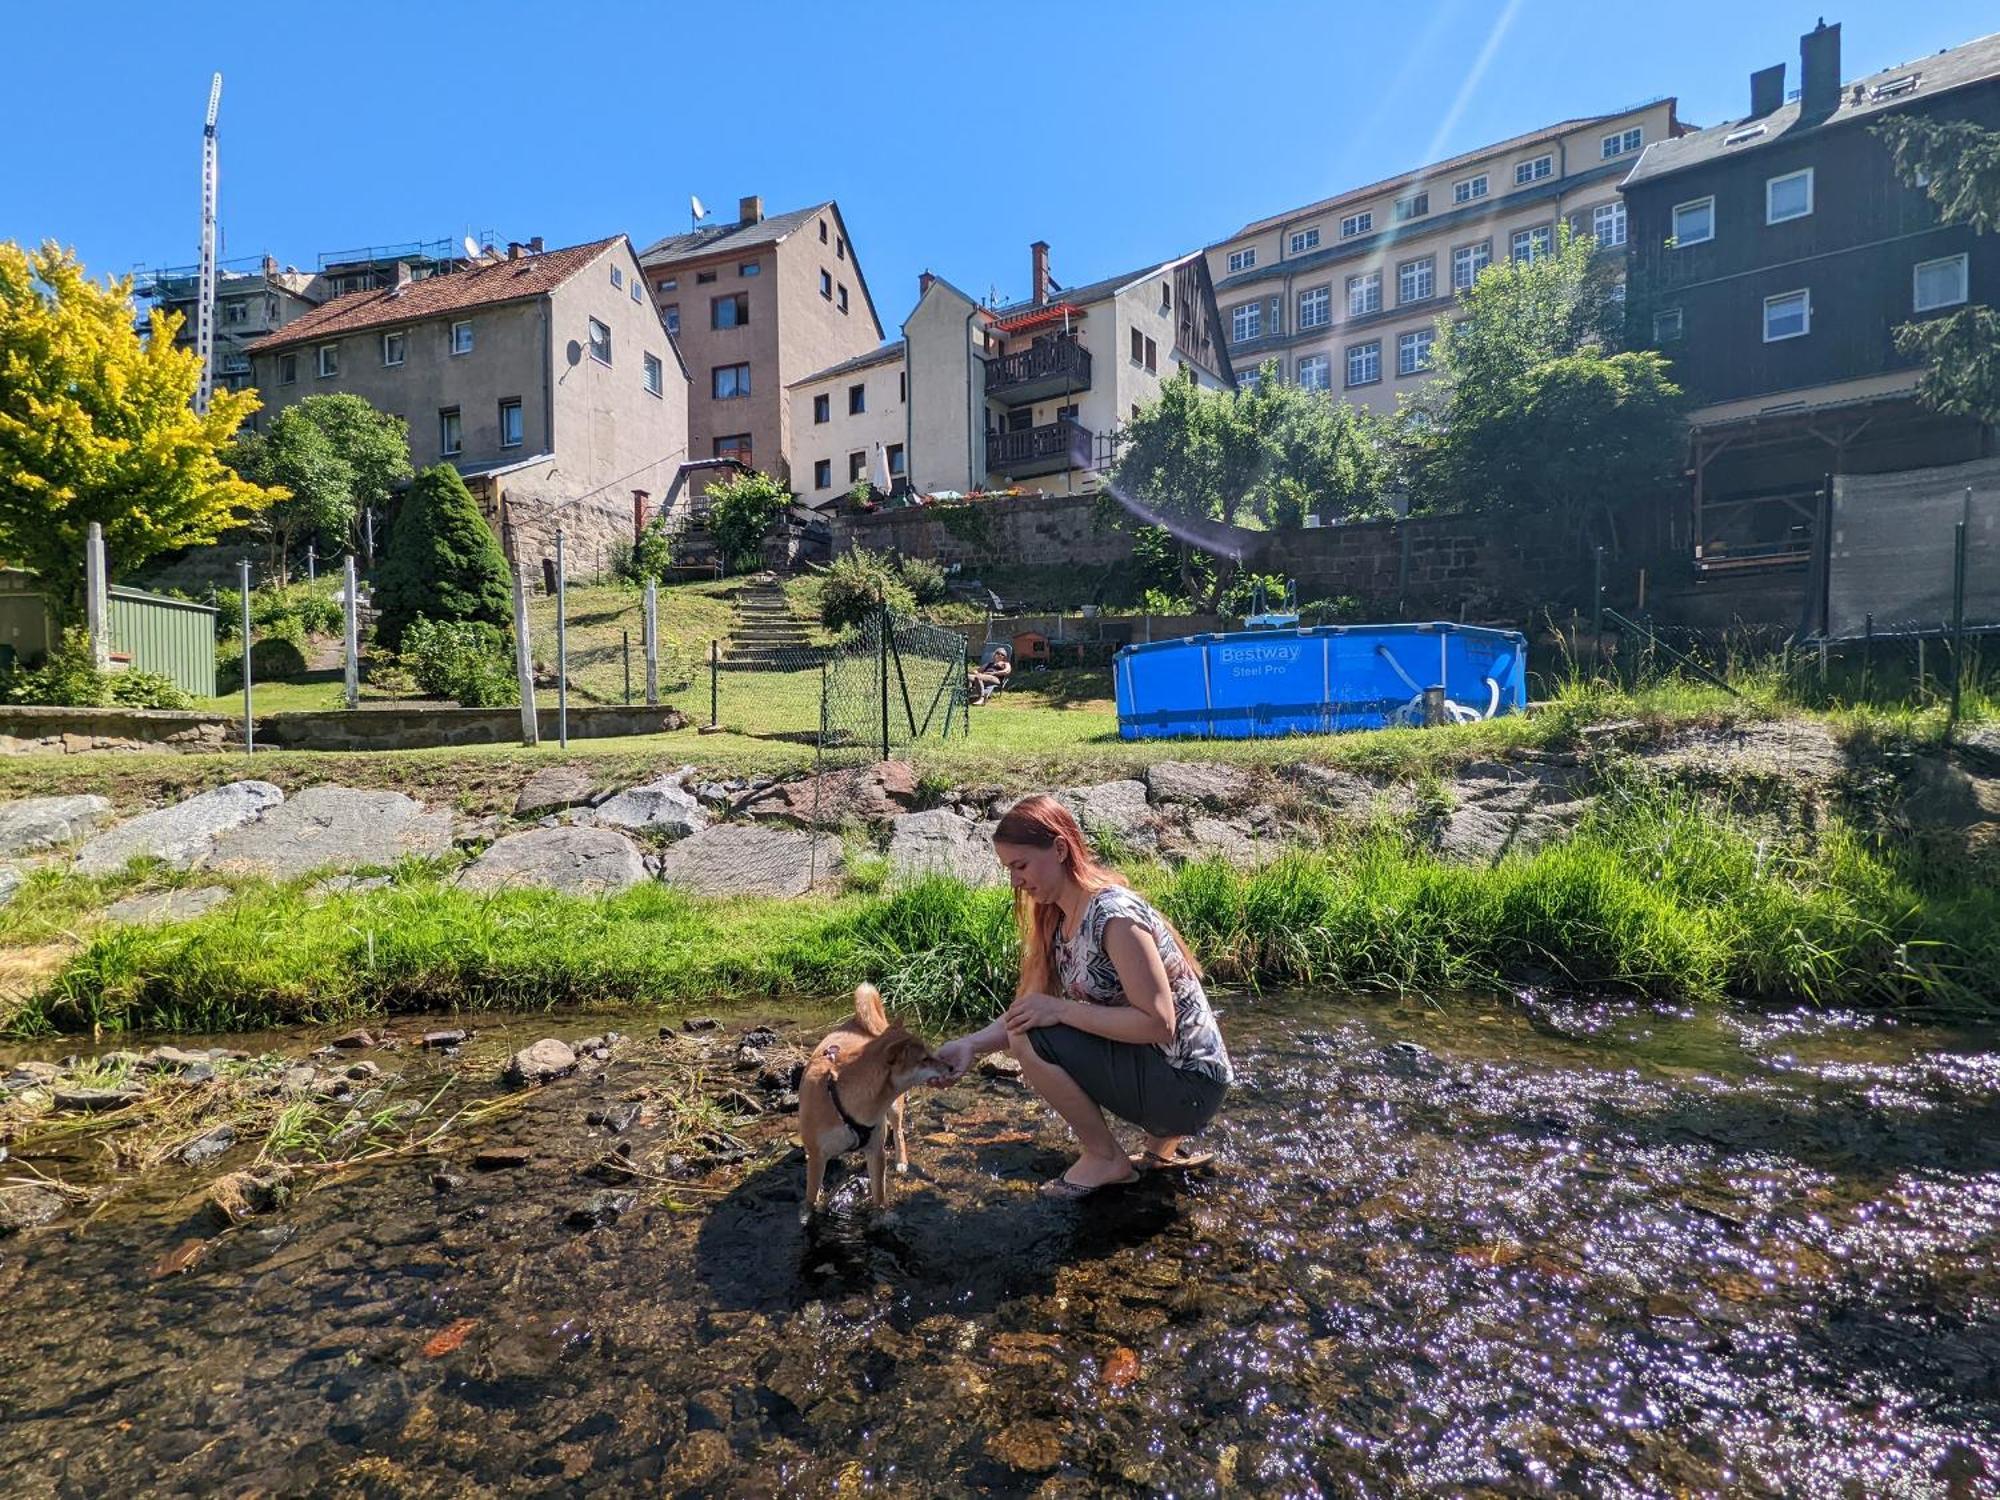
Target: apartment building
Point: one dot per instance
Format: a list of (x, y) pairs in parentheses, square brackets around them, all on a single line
[(1773, 258), (1345, 293), (1033, 393), (755, 306), (546, 379), (252, 298)]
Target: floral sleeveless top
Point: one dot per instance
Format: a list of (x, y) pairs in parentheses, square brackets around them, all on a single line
[(1085, 972)]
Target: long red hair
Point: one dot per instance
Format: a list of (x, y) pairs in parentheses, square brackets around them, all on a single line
[(1044, 823)]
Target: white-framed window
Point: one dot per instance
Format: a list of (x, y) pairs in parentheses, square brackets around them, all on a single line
[(1467, 261), (451, 434), (1413, 351), (750, 268), (1788, 197), (671, 316), (1532, 244), (655, 375), (857, 395), (1668, 325), (670, 284), (1242, 260), (329, 360), (1315, 372), (1787, 316), (1414, 206), (1694, 222), (510, 423), (288, 369), (1748, 133), (618, 277), (1355, 224), (1469, 190), (638, 291), (235, 311), (392, 348), (1305, 239), (1944, 282), (826, 283), (822, 408), (1246, 322), (1364, 362), (1607, 223), (1416, 280), (729, 382), (1364, 294), (1533, 170), (600, 342), (1622, 142), (461, 337), (1315, 307), (823, 474)]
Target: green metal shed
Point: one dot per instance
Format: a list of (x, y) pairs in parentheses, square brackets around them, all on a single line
[(152, 632)]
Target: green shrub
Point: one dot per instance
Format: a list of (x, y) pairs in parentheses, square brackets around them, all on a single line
[(741, 510), (462, 660), (277, 650), (924, 579), (147, 690), (646, 559), (857, 585), (443, 562), (67, 677)]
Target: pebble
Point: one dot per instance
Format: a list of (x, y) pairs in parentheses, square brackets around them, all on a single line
[(208, 1145), (354, 1041), (999, 1065), (441, 1039), (502, 1158), (600, 1211), (701, 1023), (447, 1182), (95, 1101)]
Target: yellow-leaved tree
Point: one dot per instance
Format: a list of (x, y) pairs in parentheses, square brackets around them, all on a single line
[(97, 424)]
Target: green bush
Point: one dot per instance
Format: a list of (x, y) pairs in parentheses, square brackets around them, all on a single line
[(924, 579), (857, 585), (741, 510), (277, 650), (147, 690), (443, 562), (462, 660), (312, 606), (68, 678), (646, 559)]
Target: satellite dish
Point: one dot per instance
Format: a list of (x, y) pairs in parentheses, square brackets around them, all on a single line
[(471, 247)]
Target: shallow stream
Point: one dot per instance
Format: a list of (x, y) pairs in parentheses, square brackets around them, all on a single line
[(1510, 1247)]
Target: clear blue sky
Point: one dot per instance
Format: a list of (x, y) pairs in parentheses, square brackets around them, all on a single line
[(951, 134)]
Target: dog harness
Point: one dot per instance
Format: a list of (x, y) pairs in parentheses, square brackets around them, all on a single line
[(862, 1133)]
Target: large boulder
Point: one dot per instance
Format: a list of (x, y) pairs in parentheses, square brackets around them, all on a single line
[(1345, 797), (544, 1062), (1115, 808), (44, 822), (1217, 788), (554, 788), (584, 861), (166, 906), (943, 842), (332, 828), (11, 877), (179, 835), (1501, 809), (663, 807), (745, 859), (858, 794), (1804, 753), (23, 1205)]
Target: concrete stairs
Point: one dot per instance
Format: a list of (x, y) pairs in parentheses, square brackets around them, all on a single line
[(767, 636)]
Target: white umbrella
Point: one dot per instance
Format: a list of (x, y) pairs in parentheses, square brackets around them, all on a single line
[(879, 475)]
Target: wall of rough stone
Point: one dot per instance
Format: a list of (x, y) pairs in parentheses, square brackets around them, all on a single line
[(73, 731), (1031, 530)]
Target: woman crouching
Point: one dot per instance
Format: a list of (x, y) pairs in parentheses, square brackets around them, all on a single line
[(1110, 1013)]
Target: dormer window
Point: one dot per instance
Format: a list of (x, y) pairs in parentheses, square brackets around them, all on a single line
[(1893, 88)]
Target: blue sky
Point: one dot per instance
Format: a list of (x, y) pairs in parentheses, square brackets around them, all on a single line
[(952, 135)]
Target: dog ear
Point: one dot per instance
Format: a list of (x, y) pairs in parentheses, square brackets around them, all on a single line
[(907, 1053), (868, 1009)]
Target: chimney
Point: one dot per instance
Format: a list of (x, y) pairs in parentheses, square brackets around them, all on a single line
[(535, 245), (402, 274), (1039, 252), (513, 249), (750, 210), (270, 267), (639, 498), (1819, 71), (1767, 90), (924, 280)]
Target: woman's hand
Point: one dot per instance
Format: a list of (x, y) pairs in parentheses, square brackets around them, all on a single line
[(1031, 1011), (956, 1054)]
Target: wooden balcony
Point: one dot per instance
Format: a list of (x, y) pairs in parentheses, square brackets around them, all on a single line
[(1047, 369), (1040, 450)]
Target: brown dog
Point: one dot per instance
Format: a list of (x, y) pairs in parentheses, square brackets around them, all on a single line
[(851, 1097)]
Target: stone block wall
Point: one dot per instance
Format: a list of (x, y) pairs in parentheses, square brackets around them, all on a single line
[(74, 731), (1028, 530)]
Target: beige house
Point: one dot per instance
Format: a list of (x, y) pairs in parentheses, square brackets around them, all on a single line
[(1029, 395), (545, 379), (756, 305), (1345, 293)]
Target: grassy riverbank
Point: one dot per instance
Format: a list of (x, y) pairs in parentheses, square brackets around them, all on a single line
[(1655, 894)]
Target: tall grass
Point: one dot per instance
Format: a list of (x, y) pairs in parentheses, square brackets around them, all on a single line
[(1656, 894)]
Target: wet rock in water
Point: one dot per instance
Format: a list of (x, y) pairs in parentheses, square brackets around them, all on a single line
[(748, 1057), (662, 807), (332, 827), (208, 1145), (439, 1040), (166, 906), (1217, 788), (36, 823), (1409, 1057), (175, 1060), (353, 1041), (758, 1036), (621, 1117), (602, 1210), (546, 1060), (745, 859), (501, 1158), (25, 1205), (554, 788), (582, 861), (447, 1182), (739, 1103), (94, 1101), (180, 835), (1031, 1447), (999, 1065), (698, 1023), (698, 1460), (364, 1070)]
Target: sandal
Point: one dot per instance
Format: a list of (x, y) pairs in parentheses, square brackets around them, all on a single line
[(1181, 1161), (1064, 1191)]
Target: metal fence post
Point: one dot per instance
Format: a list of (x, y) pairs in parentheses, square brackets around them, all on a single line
[(714, 683), (1957, 615), (249, 728), (96, 597), (1596, 611), (882, 674), (353, 642), (652, 638), (524, 663), (1867, 654), (312, 563), (626, 637), (562, 646)]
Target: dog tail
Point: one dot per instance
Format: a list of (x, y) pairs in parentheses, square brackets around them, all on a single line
[(868, 1009)]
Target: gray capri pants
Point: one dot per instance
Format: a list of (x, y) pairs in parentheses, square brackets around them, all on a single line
[(1133, 1080)]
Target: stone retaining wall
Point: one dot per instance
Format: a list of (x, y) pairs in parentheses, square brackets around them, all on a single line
[(74, 731)]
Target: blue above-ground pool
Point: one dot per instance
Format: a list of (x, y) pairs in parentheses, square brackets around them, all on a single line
[(1318, 680)]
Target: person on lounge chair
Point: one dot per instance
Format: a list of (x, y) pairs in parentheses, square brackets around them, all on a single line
[(988, 680)]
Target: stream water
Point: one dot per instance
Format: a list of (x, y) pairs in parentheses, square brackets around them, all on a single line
[(1510, 1247)]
